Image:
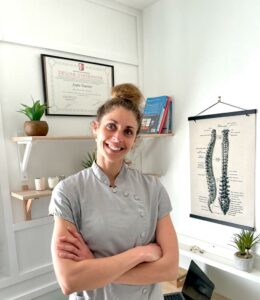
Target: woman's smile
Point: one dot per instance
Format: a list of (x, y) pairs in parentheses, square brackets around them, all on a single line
[(114, 148)]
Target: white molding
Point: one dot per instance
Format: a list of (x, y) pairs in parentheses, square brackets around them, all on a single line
[(33, 223), (8, 217), (78, 49), (53, 286), (24, 276), (69, 48), (116, 6), (140, 51)]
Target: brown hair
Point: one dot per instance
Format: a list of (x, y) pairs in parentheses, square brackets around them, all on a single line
[(128, 104), (128, 91)]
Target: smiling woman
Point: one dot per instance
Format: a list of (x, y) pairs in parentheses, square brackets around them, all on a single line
[(113, 237)]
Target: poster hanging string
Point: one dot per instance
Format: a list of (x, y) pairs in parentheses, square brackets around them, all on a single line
[(219, 101)]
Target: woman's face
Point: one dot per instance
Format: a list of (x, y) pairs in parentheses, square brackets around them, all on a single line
[(116, 133)]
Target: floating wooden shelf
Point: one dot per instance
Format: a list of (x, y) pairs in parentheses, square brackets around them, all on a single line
[(31, 194), (49, 138), (64, 138), (27, 197)]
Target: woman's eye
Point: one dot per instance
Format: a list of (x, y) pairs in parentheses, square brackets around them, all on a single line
[(129, 132), (111, 126)]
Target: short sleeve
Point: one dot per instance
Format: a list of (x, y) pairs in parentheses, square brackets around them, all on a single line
[(164, 203), (61, 204)]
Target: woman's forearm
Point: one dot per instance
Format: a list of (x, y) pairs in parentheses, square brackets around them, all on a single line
[(93, 273), (98, 272), (152, 272), (134, 266)]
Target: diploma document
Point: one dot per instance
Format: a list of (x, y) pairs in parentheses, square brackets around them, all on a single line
[(74, 87)]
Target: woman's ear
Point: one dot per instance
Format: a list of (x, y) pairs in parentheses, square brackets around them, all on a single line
[(95, 125)]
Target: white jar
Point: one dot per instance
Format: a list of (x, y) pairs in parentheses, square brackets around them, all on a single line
[(53, 181), (40, 184)]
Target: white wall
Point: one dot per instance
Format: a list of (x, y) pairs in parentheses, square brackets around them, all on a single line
[(89, 30), (196, 51), (193, 50)]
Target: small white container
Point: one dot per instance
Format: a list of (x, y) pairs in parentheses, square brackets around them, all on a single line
[(53, 181), (40, 184)]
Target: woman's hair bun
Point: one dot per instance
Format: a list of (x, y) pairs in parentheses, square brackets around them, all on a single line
[(128, 91)]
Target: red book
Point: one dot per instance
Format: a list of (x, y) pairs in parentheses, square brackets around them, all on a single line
[(165, 112)]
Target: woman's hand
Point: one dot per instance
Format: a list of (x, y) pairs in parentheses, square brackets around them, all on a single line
[(152, 252), (72, 246)]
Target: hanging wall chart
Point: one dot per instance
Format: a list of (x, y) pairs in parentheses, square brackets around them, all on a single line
[(222, 168)]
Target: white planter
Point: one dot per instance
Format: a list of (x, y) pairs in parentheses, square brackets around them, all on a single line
[(244, 264)]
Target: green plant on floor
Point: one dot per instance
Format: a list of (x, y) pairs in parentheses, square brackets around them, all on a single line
[(89, 159), (34, 112)]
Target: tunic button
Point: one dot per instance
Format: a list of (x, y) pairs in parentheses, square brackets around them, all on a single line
[(142, 214), (144, 291), (136, 197), (142, 234), (126, 194)]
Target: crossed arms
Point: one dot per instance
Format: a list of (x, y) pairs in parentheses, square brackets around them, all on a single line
[(77, 269)]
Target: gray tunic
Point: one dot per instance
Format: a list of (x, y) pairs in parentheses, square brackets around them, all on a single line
[(113, 220)]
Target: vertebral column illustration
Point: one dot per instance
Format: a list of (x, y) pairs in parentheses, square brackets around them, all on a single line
[(224, 199), (209, 170)]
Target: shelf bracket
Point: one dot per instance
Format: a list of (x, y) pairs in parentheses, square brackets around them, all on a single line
[(23, 156), (27, 205)]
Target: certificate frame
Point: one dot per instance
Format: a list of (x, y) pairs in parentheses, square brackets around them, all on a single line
[(75, 87)]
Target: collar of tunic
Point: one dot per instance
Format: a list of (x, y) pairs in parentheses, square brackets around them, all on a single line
[(99, 173)]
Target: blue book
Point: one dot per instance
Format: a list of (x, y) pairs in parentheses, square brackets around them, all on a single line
[(152, 114)]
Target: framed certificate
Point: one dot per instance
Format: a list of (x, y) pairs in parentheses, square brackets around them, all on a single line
[(73, 87)]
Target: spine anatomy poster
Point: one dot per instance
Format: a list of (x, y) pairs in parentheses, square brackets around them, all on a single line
[(222, 161)]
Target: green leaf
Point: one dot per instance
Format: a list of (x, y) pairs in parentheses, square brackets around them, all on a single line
[(245, 240), (34, 112), (91, 157)]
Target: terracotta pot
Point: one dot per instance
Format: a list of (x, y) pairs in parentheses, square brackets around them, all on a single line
[(36, 128)]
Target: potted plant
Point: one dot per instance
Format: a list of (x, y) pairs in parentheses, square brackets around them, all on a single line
[(243, 242), (35, 127), (88, 161)]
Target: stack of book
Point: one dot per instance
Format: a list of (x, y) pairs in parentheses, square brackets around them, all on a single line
[(157, 115)]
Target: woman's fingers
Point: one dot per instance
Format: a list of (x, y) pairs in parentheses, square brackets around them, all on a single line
[(71, 240), (68, 255), (75, 234), (67, 247), (85, 252), (78, 238), (74, 246)]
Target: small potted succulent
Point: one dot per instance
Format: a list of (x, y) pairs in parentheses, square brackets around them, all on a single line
[(35, 127), (244, 242)]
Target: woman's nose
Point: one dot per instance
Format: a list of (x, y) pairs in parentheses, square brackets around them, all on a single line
[(117, 137)]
